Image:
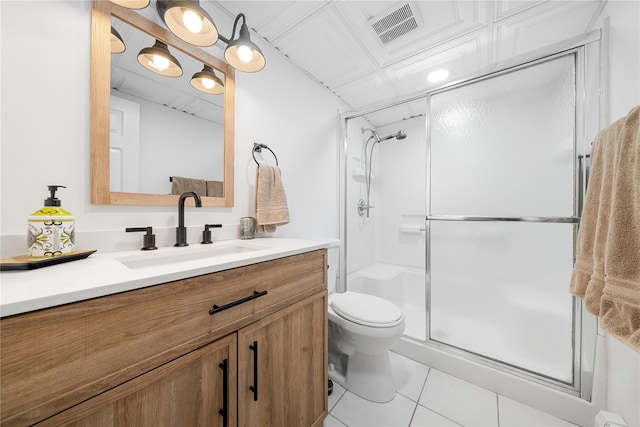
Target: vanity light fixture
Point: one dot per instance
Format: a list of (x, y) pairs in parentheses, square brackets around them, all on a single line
[(206, 81), (159, 60), (117, 45), (132, 4), (241, 53), (189, 21)]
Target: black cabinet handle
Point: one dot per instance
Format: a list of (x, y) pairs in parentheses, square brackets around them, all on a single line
[(254, 387), (225, 392), (216, 309)]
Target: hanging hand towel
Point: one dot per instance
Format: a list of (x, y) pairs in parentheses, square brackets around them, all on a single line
[(607, 269), (271, 200), (180, 185), (215, 189)]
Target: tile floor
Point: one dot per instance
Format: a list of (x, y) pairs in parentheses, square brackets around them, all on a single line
[(427, 397)]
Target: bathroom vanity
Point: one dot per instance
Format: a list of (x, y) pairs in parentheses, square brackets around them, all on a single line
[(244, 345)]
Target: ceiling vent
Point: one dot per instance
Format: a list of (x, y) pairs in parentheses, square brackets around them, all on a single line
[(395, 23)]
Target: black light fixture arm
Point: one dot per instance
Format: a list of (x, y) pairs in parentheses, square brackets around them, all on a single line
[(235, 25)]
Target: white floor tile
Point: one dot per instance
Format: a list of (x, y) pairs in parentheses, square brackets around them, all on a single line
[(332, 422), (355, 411), (338, 391), (514, 414), (424, 417), (460, 401), (409, 375)]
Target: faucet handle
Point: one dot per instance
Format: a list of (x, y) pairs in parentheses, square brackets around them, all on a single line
[(149, 239), (206, 233)]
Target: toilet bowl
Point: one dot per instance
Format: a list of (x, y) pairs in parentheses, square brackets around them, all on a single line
[(362, 328)]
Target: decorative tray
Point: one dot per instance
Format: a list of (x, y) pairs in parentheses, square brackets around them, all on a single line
[(22, 262)]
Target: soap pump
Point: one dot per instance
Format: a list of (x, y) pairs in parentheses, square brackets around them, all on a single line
[(51, 230)]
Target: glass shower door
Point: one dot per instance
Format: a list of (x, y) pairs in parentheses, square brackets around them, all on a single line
[(501, 217)]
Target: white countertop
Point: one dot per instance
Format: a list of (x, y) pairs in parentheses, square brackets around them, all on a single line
[(106, 273)]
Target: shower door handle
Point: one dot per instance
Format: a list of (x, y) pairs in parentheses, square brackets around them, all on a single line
[(547, 219)]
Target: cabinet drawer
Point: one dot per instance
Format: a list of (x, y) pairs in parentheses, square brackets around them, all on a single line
[(55, 358)]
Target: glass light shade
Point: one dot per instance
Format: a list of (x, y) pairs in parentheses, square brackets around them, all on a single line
[(159, 60), (131, 4), (173, 12), (206, 81), (237, 53), (117, 45)]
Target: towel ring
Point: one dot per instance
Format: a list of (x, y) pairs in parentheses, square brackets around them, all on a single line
[(258, 147)]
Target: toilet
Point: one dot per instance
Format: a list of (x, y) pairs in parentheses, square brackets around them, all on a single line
[(362, 329)]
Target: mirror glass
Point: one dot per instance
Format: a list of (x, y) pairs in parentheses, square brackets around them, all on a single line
[(158, 127)]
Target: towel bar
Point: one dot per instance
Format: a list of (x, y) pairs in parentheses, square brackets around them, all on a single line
[(258, 147), (548, 219)]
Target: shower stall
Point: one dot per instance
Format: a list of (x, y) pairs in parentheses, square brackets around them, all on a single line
[(466, 219)]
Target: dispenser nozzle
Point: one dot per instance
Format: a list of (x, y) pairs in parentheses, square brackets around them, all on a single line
[(52, 200)]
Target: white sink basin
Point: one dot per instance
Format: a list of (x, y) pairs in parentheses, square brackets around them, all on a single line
[(180, 255)]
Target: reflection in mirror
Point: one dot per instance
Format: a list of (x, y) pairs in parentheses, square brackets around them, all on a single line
[(147, 128), (161, 126)]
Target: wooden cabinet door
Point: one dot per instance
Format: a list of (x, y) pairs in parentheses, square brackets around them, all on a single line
[(282, 367), (187, 391)]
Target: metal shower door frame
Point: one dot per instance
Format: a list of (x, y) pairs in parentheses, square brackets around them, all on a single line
[(582, 331)]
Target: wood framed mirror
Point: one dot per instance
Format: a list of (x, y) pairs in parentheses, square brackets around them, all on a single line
[(150, 183)]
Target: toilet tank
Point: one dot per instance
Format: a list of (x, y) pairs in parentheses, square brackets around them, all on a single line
[(333, 259)]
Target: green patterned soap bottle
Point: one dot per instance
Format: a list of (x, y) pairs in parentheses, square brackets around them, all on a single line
[(51, 229)]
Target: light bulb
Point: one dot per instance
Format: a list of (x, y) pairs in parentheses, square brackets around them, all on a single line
[(160, 62), (438, 75), (245, 54), (192, 21), (208, 83)]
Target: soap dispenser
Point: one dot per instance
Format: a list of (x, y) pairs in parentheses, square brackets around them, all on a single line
[(50, 230)]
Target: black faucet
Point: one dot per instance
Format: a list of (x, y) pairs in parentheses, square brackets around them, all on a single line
[(181, 230)]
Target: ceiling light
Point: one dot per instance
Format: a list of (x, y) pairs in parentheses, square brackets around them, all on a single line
[(159, 60), (117, 45), (189, 21), (206, 81), (241, 53), (131, 4), (438, 75)]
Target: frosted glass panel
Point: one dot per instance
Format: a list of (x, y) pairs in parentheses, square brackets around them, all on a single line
[(499, 289), (504, 146)]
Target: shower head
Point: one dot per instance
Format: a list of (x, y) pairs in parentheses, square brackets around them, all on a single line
[(400, 135)]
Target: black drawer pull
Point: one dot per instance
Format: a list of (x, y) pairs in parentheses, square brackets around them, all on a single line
[(225, 392), (216, 309), (254, 387)]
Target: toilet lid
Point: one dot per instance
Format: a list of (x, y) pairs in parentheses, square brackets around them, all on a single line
[(366, 309)]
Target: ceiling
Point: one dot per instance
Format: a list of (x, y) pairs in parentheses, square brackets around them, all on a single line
[(339, 43), (335, 43)]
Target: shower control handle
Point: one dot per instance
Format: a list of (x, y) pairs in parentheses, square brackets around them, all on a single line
[(363, 207)]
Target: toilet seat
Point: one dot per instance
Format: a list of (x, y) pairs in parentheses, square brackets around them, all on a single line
[(366, 310)]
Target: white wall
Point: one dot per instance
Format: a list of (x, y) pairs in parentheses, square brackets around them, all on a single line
[(45, 137), (401, 192)]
